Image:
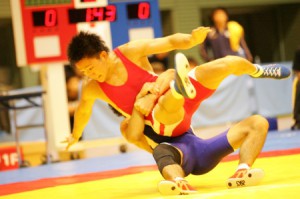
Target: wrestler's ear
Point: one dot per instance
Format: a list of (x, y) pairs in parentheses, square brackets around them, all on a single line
[(103, 55)]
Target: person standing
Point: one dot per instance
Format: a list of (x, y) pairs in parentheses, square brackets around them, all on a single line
[(226, 38)]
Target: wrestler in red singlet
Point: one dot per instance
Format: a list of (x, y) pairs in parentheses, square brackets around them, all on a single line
[(124, 97)]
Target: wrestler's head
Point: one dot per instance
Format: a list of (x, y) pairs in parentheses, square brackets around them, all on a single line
[(89, 54)]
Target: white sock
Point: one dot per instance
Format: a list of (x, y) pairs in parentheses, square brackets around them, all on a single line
[(259, 71), (174, 92), (243, 166), (178, 178)]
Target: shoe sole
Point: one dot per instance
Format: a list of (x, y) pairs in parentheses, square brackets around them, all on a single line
[(182, 79), (253, 177), (168, 188)]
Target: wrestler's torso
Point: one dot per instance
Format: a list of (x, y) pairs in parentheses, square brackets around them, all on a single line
[(122, 97)]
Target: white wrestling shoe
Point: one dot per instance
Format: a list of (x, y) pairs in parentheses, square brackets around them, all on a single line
[(245, 178), (175, 187), (182, 84)]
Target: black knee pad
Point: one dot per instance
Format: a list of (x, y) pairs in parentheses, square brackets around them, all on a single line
[(165, 154)]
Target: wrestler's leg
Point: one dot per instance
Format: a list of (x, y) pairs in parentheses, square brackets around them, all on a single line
[(168, 159), (212, 73), (169, 110), (172, 172), (209, 75), (249, 135)]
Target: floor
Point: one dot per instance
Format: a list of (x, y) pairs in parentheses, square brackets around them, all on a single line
[(134, 175)]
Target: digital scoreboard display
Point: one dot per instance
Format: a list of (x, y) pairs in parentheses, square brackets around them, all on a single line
[(138, 10), (49, 17), (46, 18), (108, 13), (44, 28)]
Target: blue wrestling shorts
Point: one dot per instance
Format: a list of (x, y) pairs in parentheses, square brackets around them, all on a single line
[(199, 155)]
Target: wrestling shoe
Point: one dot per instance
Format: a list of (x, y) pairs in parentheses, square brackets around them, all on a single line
[(245, 178), (274, 71), (182, 84), (175, 187)]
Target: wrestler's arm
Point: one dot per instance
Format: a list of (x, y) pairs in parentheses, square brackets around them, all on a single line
[(160, 86), (133, 130), (83, 112), (151, 91), (165, 44)]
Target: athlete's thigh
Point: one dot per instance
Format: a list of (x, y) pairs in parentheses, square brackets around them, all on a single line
[(184, 145), (209, 152), (212, 73)]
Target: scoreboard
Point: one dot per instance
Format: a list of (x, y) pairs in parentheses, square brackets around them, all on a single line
[(44, 28)]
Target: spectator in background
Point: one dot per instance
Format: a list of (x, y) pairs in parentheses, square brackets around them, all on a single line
[(159, 62), (226, 38), (296, 68)]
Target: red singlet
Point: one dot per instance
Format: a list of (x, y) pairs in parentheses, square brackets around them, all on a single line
[(124, 97)]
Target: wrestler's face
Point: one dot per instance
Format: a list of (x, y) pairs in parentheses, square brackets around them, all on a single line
[(94, 67)]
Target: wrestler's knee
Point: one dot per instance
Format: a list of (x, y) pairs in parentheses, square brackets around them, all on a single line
[(255, 125), (259, 123), (165, 154)]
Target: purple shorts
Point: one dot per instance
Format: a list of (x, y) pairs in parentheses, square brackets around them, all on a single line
[(201, 155)]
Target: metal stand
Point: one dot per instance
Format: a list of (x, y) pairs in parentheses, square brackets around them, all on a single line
[(8, 103)]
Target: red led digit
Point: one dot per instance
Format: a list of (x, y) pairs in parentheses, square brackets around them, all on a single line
[(144, 10), (89, 15), (98, 13), (110, 14), (50, 18)]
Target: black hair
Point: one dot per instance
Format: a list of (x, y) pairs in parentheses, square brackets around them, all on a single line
[(85, 44), (211, 19)]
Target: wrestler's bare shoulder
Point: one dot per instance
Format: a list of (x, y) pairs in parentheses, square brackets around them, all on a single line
[(135, 54), (91, 89)]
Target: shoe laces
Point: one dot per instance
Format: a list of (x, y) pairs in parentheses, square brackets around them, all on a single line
[(272, 70)]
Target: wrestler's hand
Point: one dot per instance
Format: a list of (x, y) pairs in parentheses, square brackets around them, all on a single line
[(145, 104), (148, 87), (70, 141), (199, 34)]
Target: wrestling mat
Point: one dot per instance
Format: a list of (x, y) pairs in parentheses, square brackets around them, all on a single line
[(282, 180)]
